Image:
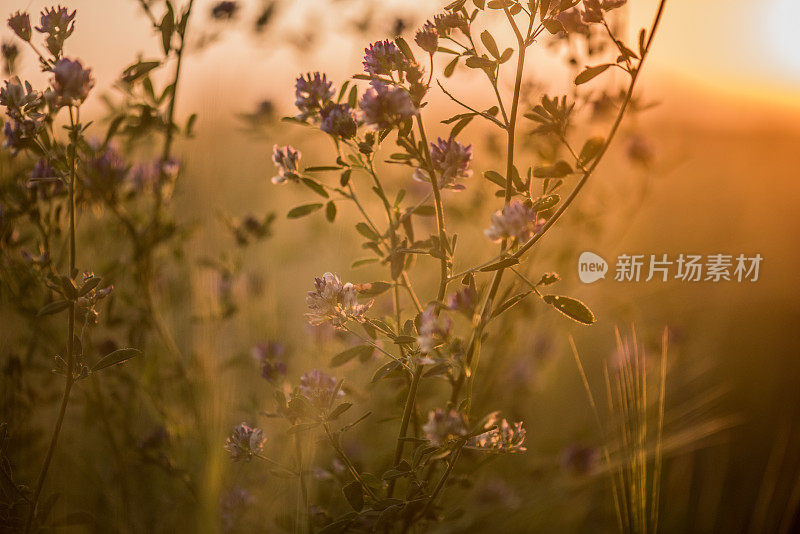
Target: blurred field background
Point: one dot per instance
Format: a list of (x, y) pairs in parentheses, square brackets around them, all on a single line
[(725, 135)]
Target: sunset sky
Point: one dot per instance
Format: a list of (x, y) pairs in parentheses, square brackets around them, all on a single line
[(738, 48)]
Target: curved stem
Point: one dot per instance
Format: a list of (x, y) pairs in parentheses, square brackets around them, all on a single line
[(408, 410)]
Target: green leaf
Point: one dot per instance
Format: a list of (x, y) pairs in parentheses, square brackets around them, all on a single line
[(495, 177), (322, 168), (546, 202), (490, 44), (330, 211), (315, 186), (591, 149), (554, 26), (354, 494), (374, 288), (167, 29), (451, 67), (384, 370), (116, 357), (404, 48), (510, 303), (53, 308), (590, 73), (365, 230), (302, 211), (339, 410), (350, 354), (572, 308)]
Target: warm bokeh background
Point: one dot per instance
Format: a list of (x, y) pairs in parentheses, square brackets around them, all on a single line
[(726, 133)]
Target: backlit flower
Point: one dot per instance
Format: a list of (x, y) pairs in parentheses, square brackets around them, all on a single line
[(427, 37), (287, 160), (312, 93), (334, 301), (505, 437), (58, 24), (464, 301), (444, 426), (71, 82), (385, 106), (245, 442), (338, 120), (319, 388), (514, 221), (451, 161), (20, 23), (433, 330), (383, 57)]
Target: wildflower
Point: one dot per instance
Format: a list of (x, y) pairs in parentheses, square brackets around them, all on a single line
[(265, 354), (224, 10), (71, 82), (319, 388), (463, 301), (106, 170), (286, 159), (59, 24), (9, 51), (21, 101), (383, 57), (44, 180), (579, 460), (312, 94), (514, 221), (20, 23), (433, 330), (447, 22), (444, 426), (504, 438), (451, 161), (427, 37), (335, 302), (573, 22), (338, 120), (385, 106), (245, 442)]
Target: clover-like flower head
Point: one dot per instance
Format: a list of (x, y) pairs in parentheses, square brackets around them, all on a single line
[(245, 442), (334, 302), (287, 160), (319, 388), (338, 120), (386, 106), (433, 330), (514, 221), (20, 24), (427, 37), (383, 57), (58, 23), (71, 82), (312, 93), (451, 160), (504, 437), (444, 426)]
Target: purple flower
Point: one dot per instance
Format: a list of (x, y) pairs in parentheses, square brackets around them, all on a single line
[(287, 160), (385, 106), (427, 37), (319, 388), (334, 302), (451, 161), (21, 101), (447, 22), (20, 23), (12, 131), (338, 120), (433, 330), (312, 94), (463, 301), (514, 221), (58, 24), (383, 57), (71, 82), (245, 442), (265, 354), (444, 426)]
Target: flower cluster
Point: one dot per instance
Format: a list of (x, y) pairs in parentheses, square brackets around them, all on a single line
[(444, 426), (427, 37), (266, 355), (334, 301), (504, 437), (386, 106), (287, 160), (245, 442), (383, 58), (451, 161), (463, 301), (22, 104), (433, 330), (71, 82), (319, 388), (20, 24), (577, 21), (515, 221), (445, 23), (338, 120), (58, 23), (312, 93)]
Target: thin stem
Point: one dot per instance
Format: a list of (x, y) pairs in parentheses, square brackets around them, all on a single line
[(303, 493), (409, 408), (74, 119), (437, 198), (348, 463)]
